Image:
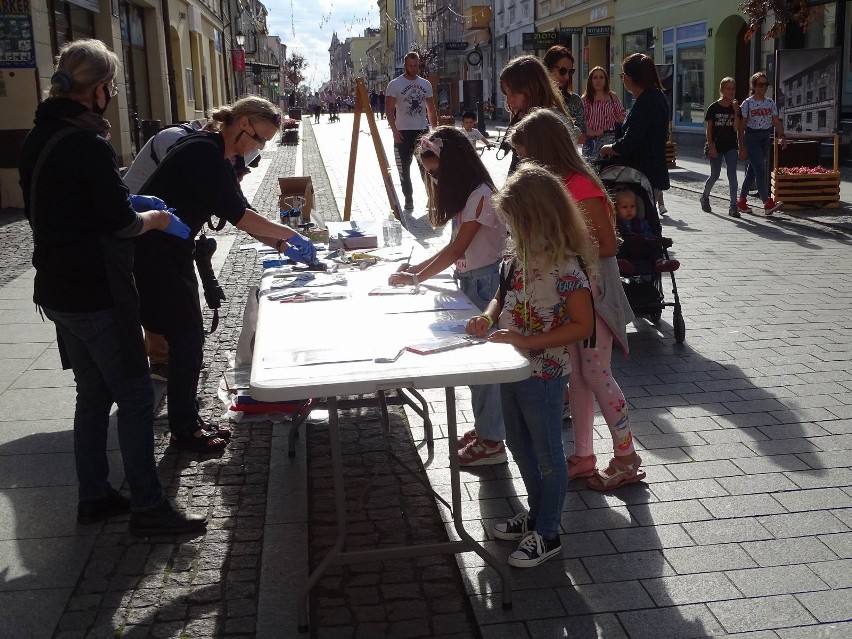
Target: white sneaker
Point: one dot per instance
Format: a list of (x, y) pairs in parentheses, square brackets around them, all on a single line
[(514, 528), (534, 550)]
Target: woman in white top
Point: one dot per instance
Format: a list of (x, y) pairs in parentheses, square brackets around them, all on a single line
[(462, 191)]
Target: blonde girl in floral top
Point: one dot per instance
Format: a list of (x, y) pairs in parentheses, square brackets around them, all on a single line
[(543, 305)]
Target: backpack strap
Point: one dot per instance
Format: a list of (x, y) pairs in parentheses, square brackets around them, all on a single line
[(186, 127), (507, 272), (195, 136)]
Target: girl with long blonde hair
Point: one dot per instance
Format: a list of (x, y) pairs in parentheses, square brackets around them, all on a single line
[(542, 306)]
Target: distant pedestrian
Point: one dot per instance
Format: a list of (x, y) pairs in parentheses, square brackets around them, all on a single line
[(720, 129), (604, 112), (542, 306), (411, 110), (382, 103), (315, 106), (374, 101), (83, 226), (462, 195), (759, 117)]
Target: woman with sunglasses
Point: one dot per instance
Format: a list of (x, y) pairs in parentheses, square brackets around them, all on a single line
[(560, 65), (759, 117), (642, 144), (197, 178), (604, 112)]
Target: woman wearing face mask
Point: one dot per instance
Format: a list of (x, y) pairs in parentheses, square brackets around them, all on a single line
[(83, 223), (197, 179)]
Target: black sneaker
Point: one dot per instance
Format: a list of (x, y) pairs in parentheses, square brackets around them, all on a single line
[(409, 203), (534, 550), (165, 520), (734, 211), (91, 512), (705, 204), (160, 372), (514, 528)]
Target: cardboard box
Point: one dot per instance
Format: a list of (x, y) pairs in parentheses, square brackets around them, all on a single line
[(296, 186)]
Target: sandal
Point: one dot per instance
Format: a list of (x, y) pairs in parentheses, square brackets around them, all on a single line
[(205, 443), (581, 466), (616, 475)]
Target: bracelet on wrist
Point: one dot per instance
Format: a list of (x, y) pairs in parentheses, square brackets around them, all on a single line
[(278, 244), (487, 318)]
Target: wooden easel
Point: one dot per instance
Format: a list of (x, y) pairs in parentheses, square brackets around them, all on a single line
[(362, 105)]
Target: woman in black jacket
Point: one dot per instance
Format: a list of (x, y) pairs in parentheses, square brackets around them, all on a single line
[(83, 223), (642, 144)]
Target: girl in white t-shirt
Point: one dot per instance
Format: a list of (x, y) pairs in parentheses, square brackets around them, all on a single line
[(462, 189)]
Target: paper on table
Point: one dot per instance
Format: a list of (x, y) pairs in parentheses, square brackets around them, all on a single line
[(317, 356), (396, 290), (441, 344)]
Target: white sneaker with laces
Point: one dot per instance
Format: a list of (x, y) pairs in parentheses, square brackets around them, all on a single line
[(514, 528)]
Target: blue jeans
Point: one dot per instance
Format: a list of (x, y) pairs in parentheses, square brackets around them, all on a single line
[(480, 285), (730, 158), (96, 350), (533, 413), (757, 146)]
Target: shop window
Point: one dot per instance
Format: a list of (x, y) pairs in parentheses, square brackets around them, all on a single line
[(809, 117), (684, 47), (68, 22), (821, 118)]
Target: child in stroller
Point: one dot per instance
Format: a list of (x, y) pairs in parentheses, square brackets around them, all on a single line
[(641, 251)]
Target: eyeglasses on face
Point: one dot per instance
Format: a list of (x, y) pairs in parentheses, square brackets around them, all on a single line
[(275, 119), (257, 137)]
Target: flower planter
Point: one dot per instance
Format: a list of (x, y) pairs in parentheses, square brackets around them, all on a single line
[(446, 120), (806, 190)]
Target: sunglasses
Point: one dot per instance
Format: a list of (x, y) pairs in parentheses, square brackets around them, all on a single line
[(566, 71)]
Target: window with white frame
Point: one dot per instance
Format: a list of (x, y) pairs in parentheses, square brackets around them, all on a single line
[(685, 47)]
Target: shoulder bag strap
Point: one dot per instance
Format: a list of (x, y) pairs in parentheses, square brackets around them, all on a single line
[(55, 139)]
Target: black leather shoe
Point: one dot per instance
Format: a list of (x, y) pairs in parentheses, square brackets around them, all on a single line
[(165, 520), (91, 512)]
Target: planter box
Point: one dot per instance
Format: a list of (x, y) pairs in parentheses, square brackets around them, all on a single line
[(818, 190)]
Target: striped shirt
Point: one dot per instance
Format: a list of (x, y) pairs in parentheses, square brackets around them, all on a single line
[(601, 115)]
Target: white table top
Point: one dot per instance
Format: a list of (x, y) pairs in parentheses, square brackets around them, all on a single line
[(362, 327)]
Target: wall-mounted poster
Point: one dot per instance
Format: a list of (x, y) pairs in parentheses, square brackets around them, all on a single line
[(17, 48), (807, 91)]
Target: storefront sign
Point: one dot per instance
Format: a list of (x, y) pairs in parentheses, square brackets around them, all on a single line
[(239, 56), (598, 31), (17, 48), (539, 40), (571, 30), (456, 47)]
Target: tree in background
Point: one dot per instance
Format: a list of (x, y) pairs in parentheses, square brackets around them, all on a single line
[(784, 12), (295, 66)]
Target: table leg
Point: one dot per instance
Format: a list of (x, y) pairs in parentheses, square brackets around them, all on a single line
[(422, 411), (340, 510), (452, 435)]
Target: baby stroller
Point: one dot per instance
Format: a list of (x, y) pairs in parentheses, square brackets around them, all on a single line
[(643, 259)]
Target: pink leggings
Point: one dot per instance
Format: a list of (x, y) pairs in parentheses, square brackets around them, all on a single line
[(591, 379)]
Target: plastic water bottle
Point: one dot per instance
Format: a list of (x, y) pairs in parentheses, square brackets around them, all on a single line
[(392, 232)]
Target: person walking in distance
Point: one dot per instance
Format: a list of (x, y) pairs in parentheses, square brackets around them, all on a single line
[(720, 126), (759, 116), (410, 112)]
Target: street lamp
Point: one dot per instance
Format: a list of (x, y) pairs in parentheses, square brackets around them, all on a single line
[(241, 40)]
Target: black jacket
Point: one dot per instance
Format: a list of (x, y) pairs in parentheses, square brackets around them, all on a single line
[(80, 198), (642, 144)]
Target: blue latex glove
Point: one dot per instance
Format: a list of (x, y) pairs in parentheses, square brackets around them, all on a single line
[(301, 249), (142, 203), (176, 226)]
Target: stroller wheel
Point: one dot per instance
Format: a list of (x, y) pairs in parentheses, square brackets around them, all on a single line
[(679, 327)]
